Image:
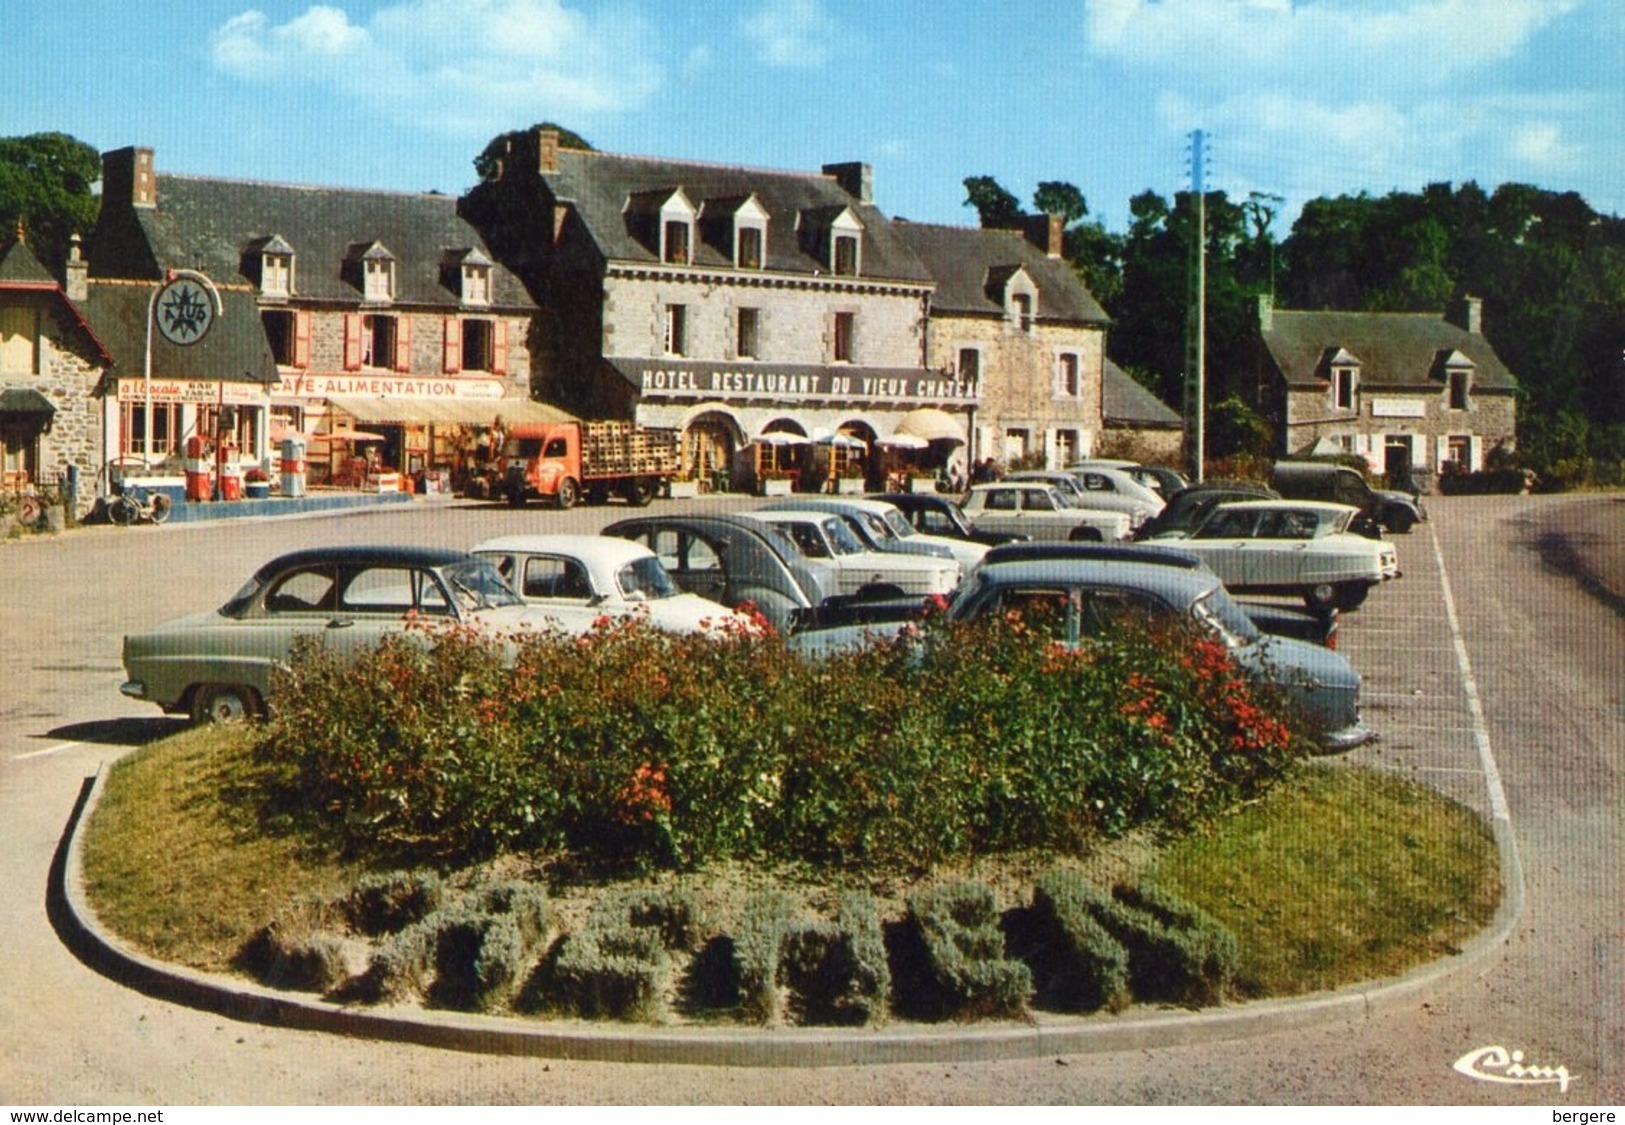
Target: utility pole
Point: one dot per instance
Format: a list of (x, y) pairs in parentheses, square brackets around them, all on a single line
[(1196, 316)]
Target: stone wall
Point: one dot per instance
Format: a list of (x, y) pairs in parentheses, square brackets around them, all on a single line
[(1491, 418)]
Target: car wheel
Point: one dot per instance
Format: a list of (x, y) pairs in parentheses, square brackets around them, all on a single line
[(569, 492), (1321, 596), (1351, 595), (223, 705), (1399, 521), (639, 491)]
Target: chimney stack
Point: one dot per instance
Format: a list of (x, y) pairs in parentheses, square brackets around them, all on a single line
[(856, 179), (1472, 315), (1055, 243), (547, 156), (1266, 312), (76, 272), (127, 177)]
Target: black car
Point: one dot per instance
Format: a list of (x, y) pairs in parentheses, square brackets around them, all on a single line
[(1393, 510), (1191, 504), (935, 514)]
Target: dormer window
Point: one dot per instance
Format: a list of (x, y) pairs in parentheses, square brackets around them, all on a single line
[(276, 268), (1460, 383), (1013, 288), (845, 262), (674, 242), (475, 276), (377, 273), (1458, 380), (1343, 371)]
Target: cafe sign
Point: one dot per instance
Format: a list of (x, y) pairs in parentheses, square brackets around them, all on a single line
[(197, 392), (388, 386)]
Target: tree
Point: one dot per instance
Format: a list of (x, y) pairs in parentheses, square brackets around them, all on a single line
[(996, 208), (1055, 197), (45, 181), (489, 162)]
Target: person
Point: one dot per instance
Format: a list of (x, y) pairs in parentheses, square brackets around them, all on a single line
[(499, 437)]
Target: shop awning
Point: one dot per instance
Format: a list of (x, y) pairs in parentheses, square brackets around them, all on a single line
[(25, 400), (372, 410), (932, 424)]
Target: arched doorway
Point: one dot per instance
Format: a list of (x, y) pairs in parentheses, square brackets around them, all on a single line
[(782, 453), (709, 442)]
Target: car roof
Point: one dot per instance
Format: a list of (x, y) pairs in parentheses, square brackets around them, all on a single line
[(605, 548), (1296, 505), (1012, 482), (368, 554), (1175, 584), (1144, 553), (829, 504)]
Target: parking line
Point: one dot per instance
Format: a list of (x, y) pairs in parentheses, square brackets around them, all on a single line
[(45, 751)]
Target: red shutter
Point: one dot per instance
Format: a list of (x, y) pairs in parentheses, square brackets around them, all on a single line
[(352, 341), (499, 347), (454, 345), (301, 338), (403, 344)]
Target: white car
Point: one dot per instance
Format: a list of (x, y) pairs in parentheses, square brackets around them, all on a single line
[(860, 571), (1038, 510), (1110, 490), (1299, 547), (886, 528), (577, 579)]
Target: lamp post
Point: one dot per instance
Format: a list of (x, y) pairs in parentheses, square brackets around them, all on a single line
[(184, 307)]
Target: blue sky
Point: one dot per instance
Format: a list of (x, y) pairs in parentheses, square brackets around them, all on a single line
[(1299, 98)]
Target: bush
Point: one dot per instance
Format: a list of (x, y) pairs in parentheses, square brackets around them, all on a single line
[(958, 928), (297, 949), (830, 971), (618, 964), (1078, 966), (639, 748), (388, 903), (1176, 952)]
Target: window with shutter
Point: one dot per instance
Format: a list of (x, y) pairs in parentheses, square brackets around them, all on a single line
[(352, 341), (452, 359)]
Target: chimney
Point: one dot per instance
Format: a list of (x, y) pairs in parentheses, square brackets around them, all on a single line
[(1472, 315), (77, 272), (127, 177), (855, 178), (547, 145), (1266, 312), (1055, 242)]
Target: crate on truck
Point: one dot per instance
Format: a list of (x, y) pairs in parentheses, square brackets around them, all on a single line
[(566, 461)]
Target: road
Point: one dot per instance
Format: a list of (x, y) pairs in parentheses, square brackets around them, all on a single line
[(1544, 651)]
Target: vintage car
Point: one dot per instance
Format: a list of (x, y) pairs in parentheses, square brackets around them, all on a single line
[(883, 528), (578, 579), (939, 515), (1390, 508), (1093, 596), (1301, 547), (1039, 511), (1109, 490), (217, 666), (861, 572), (1191, 504), (1158, 478), (734, 560)]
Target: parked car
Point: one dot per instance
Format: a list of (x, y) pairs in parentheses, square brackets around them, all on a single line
[(1395, 511), (1038, 510), (1319, 626), (1096, 596), (883, 528), (860, 571), (1191, 504), (1158, 478), (217, 666), (1101, 490), (733, 559), (578, 579), (1301, 547), (936, 514)]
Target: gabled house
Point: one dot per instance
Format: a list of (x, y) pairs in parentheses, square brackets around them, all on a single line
[(775, 318), (51, 364), (342, 309), (1138, 424), (1409, 392), (1009, 315)]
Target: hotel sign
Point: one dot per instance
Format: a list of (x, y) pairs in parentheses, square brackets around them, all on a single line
[(806, 385)]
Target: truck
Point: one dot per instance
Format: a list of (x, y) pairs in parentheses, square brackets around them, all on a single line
[(566, 461)]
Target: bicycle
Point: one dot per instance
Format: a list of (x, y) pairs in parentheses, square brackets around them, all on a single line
[(136, 504)]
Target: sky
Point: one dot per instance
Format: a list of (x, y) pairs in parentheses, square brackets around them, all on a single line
[(1295, 98)]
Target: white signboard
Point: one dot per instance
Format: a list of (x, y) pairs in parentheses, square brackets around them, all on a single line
[(388, 386), (199, 392), (1398, 408)]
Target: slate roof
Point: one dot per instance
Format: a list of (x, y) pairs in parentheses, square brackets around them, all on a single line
[(219, 226), (1124, 402), (1397, 351), (234, 351), (971, 263), (600, 186), (20, 269)]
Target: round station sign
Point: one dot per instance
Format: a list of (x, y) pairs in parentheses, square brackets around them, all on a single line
[(184, 311)]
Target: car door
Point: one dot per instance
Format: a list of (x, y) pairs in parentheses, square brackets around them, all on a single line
[(1041, 516), (1279, 554), (696, 563), (1225, 541), (560, 587), (1000, 511), (376, 600)]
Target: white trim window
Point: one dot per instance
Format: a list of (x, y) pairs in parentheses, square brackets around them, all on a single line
[(750, 236), (844, 331), (846, 245), (276, 275), (748, 333), (677, 230), (968, 364), (1068, 375), (675, 340), (378, 276), (1345, 388), (476, 283)]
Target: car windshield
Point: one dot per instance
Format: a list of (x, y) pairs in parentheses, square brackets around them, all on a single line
[(1218, 612), (244, 598), (879, 529), (898, 522), (478, 585), (645, 580), (841, 539)]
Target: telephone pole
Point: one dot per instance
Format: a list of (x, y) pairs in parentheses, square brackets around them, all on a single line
[(1196, 315)]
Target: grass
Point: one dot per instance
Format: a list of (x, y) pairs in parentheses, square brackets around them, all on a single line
[(1339, 875)]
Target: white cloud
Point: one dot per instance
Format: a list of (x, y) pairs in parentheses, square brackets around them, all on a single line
[(793, 33), (460, 66)]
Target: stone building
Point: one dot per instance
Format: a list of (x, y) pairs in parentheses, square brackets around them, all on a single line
[(1409, 392), (344, 312), (775, 318), (1012, 316), (51, 364), (1138, 425)]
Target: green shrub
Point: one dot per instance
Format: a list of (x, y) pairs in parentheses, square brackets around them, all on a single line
[(297, 949), (1176, 952), (618, 964), (1078, 966), (1206, 945), (958, 929), (831, 971), (388, 903)]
